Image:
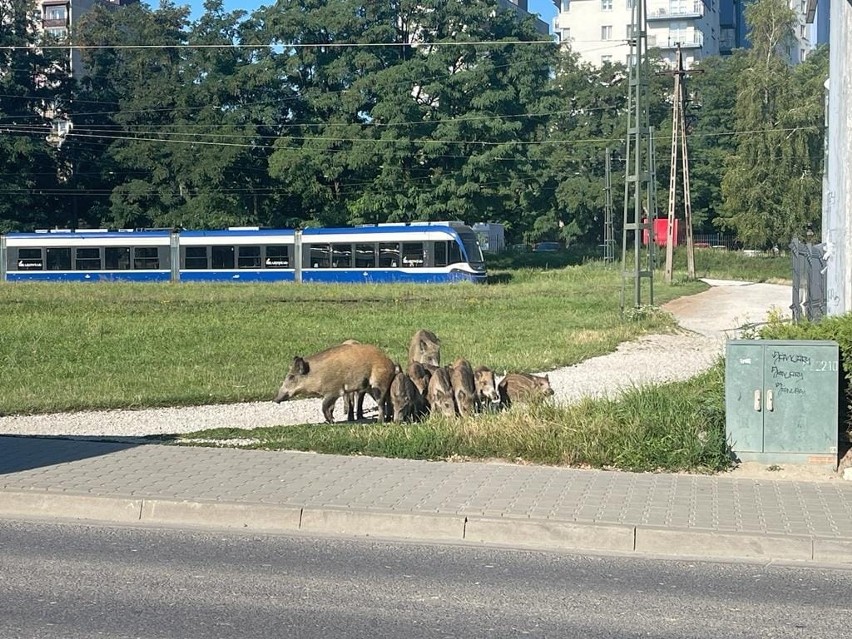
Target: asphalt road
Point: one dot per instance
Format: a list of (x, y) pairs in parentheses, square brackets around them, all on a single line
[(70, 580)]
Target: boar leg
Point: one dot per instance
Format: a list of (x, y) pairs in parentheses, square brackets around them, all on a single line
[(351, 408), (328, 403)]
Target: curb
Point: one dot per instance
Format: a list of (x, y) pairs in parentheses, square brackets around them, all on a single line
[(542, 534)]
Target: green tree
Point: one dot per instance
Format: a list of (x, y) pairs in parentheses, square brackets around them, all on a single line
[(34, 88), (772, 183)]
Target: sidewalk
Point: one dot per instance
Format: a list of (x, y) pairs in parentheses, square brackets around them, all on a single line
[(530, 506)]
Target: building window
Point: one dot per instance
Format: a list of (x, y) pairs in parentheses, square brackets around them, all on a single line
[(58, 33), (630, 4), (566, 5), (606, 32), (629, 31), (55, 13), (606, 5), (606, 59)]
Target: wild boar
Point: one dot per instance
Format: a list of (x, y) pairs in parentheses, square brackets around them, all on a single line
[(440, 393), (464, 389), (337, 371), (420, 375), (408, 404), (425, 348), (520, 387), (486, 387)]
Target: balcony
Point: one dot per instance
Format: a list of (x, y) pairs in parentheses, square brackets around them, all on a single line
[(685, 40), (680, 11), (48, 24)]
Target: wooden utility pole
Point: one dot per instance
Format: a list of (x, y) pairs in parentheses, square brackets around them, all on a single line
[(679, 140)]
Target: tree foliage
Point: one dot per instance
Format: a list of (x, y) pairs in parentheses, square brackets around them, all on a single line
[(772, 182), (336, 113)]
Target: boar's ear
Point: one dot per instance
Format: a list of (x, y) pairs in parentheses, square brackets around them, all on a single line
[(547, 378), (300, 366)]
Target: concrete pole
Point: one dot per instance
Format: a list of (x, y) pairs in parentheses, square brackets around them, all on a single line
[(837, 188)]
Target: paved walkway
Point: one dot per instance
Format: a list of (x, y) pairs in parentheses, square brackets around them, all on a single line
[(543, 507), (685, 515)]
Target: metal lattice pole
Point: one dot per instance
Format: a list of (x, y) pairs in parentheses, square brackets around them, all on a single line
[(638, 161), (609, 232)]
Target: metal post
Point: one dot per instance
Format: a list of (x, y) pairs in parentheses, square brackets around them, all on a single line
[(637, 170), (297, 256), (174, 256), (837, 188), (609, 233)]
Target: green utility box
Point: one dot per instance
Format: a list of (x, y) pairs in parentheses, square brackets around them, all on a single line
[(781, 400)]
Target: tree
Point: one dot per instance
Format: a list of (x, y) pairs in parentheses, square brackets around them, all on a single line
[(772, 183), (34, 87)]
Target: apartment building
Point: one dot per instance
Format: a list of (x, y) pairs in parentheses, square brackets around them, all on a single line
[(58, 18), (600, 30), (521, 7)]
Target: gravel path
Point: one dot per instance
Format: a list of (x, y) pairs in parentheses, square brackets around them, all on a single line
[(707, 319)]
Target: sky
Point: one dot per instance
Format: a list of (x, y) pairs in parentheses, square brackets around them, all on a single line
[(545, 8)]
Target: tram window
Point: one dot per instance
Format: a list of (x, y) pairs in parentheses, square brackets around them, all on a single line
[(195, 257), (320, 255), (388, 254), (30, 260), (248, 257), (341, 255), (455, 252), (365, 256), (117, 258), (277, 257), (440, 253), (87, 259), (412, 254), (145, 258), (223, 256), (58, 259)]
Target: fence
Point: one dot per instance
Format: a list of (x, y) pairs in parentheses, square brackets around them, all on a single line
[(809, 281)]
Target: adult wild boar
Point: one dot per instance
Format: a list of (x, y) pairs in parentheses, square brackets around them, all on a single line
[(337, 371), (407, 402), (523, 387), (425, 348), (486, 387), (440, 393), (464, 388)]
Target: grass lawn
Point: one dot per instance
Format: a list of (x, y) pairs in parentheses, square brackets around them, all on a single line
[(110, 345)]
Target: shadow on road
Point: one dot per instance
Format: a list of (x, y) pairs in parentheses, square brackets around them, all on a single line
[(26, 453)]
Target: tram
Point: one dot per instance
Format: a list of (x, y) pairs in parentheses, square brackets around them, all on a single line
[(406, 252)]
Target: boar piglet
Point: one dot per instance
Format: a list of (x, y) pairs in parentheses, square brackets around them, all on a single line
[(425, 348), (523, 387), (464, 389), (440, 393), (420, 375), (486, 387), (338, 371), (408, 404)]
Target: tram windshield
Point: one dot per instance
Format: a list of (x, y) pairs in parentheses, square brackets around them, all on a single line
[(471, 247)]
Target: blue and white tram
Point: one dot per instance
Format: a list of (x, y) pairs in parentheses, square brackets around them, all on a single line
[(416, 252)]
